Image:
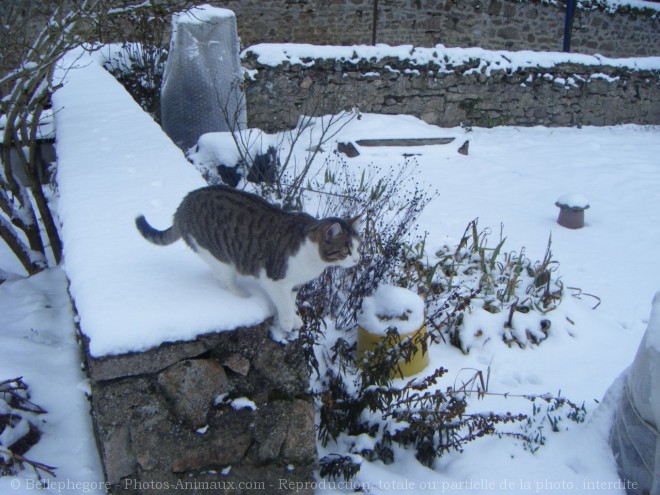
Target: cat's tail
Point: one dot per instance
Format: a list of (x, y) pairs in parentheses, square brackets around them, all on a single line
[(155, 236)]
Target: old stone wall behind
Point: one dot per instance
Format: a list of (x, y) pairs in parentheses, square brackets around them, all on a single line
[(491, 24), (472, 93)]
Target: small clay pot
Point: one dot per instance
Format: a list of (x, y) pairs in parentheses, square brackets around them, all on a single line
[(571, 219), (571, 210)]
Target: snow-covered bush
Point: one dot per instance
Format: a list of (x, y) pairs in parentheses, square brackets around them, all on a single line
[(139, 65), (281, 167), (365, 412), (506, 294)]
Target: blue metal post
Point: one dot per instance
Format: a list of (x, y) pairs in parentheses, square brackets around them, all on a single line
[(568, 24)]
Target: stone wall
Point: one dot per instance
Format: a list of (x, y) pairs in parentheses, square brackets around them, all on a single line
[(471, 92), (492, 24), (227, 413)]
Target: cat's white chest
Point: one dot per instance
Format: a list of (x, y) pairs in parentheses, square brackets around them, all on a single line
[(305, 265)]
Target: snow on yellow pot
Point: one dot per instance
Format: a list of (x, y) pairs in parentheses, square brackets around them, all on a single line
[(392, 307)]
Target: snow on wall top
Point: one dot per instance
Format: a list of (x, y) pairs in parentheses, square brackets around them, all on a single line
[(613, 5), (274, 54), (114, 162), (202, 13)]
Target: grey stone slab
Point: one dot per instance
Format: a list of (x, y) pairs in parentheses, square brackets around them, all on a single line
[(151, 361), (404, 142)]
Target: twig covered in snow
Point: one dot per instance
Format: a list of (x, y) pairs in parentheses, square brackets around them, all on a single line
[(27, 225)]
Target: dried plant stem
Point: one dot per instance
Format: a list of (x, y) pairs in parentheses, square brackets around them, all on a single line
[(39, 468)]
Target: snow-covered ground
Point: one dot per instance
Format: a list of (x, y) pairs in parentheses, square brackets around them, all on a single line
[(38, 342), (512, 176)]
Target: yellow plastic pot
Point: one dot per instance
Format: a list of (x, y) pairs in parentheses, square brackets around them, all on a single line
[(367, 341), (392, 307)]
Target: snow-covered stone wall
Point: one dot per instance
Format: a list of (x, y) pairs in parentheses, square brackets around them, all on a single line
[(450, 86), (189, 393)]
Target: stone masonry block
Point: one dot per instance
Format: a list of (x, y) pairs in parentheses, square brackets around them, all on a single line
[(191, 386)]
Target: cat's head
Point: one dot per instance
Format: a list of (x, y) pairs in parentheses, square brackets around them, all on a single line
[(339, 241)]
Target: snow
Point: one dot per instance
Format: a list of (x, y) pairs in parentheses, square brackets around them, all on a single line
[(202, 430), (653, 335), (274, 54), (115, 163), (237, 403), (573, 200), (202, 13), (39, 343), (389, 307), (513, 176), (638, 4), (13, 433), (243, 403)]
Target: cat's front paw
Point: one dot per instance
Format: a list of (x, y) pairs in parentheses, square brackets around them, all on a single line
[(282, 335), (284, 330), (285, 325)]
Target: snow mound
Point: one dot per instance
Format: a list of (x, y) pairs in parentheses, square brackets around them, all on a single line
[(573, 201), (114, 163), (221, 148), (389, 307), (634, 437), (202, 14)]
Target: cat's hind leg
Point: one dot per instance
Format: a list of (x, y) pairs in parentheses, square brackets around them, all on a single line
[(226, 274)]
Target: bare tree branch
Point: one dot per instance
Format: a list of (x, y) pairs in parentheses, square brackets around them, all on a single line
[(26, 85)]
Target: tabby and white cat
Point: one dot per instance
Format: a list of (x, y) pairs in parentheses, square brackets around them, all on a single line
[(248, 242)]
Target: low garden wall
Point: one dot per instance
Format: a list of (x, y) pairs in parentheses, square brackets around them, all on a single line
[(450, 87), (225, 413)]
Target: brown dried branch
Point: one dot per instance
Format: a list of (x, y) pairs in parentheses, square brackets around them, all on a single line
[(39, 468)]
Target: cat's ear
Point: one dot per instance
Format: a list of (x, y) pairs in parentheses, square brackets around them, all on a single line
[(333, 231), (356, 221)]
